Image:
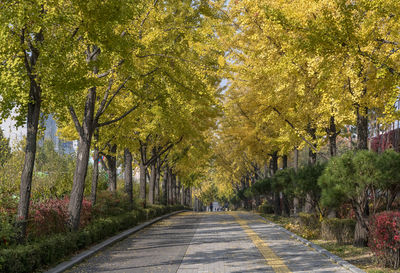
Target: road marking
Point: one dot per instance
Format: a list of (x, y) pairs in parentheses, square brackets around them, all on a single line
[(273, 260)]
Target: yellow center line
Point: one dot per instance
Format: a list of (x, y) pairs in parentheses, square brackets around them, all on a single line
[(271, 258)]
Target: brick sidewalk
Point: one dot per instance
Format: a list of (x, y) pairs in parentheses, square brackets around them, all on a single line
[(210, 242)]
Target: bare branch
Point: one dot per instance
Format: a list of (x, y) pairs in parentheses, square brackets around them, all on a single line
[(113, 96), (76, 121), (119, 118), (103, 102)]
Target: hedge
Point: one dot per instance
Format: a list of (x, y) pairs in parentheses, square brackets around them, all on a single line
[(50, 250), (341, 230)]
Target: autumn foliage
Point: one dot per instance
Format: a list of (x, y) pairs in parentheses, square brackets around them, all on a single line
[(385, 237)]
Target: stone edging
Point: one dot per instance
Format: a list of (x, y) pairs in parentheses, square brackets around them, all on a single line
[(96, 248), (319, 249)]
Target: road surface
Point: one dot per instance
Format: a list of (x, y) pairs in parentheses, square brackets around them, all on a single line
[(209, 242)]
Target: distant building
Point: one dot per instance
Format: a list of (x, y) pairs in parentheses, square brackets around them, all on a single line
[(50, 133)]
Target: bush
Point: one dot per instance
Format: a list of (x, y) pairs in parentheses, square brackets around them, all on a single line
[(49, 250), (310, 226), (385, 237), (110, 204), (341, 230), (8, 208), (309, 220), (51, 216), (266, 208)]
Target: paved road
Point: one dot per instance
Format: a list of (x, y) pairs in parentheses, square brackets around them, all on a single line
[(209, 242)]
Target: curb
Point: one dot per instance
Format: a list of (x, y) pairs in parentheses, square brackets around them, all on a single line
[(96, 248), (319, 249)]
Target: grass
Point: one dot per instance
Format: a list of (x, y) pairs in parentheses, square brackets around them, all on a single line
[(361, 257)]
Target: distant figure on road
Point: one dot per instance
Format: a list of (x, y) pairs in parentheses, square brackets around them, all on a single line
[(211, 206)]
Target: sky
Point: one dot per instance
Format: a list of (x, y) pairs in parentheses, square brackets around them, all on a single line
[(11, 132)]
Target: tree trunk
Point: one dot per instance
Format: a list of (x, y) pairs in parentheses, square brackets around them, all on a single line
[(169, 187), (362, 128), (152, 182), (360, 234), (112, 169), (189, 190), (361, 229), (178, 190), (277, 199), (332, 133), (164, 200), (95, 176), (128, 175), (173, 187), (142, 182), (285, 202), (30, 154), (296, 167), (308, 206), (312, 155), (157, 183), (82, 159), (183, 195), (284, 162), (142, 174)]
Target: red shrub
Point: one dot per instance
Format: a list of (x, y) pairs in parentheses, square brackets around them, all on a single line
[(51, 216), (384, 238)]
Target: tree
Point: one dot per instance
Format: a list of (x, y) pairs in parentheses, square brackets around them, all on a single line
[(351, 178), (30, 32), (389, 176)]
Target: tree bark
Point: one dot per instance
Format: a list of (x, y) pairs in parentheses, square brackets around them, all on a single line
[(164, 200), (362, 128), (173, 187), (142, 182), (183, 195), (284, 162), (152, 182), (178, 190), (285, 202), (128, 175), (142, 173), (189, 190), (95, 176), (332, 134), (157, 183), (277, 198), (82, 159), (361, 233), (312, 155), (296, 167), (169, 187), (112, 169), (30, 154)]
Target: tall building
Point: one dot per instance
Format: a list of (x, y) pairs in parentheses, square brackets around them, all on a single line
[(50, 133)]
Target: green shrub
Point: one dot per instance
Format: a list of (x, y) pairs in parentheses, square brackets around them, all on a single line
[(341, 230), (309, 225), (110, 204), (49, 250), (266, 208), (309, 220)]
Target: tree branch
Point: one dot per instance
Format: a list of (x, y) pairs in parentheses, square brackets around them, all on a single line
[(76, 121), (119, 118), (103, 102)]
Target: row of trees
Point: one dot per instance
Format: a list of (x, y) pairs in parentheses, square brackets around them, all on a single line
[(138, 78), (302, 75)]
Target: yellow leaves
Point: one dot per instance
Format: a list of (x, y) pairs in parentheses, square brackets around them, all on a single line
[(221, 61)]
